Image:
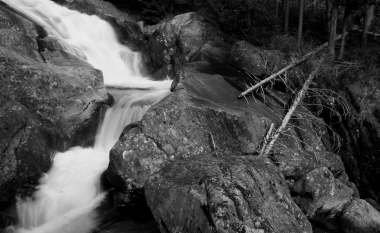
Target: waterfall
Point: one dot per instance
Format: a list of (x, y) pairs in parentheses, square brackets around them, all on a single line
[(89, 38), (71, 190)]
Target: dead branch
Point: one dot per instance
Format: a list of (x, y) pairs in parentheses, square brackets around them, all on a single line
[(291, 65), (287, 117), (266, 139)]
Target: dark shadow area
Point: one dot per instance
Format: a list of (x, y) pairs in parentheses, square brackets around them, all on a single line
[(135, 218)]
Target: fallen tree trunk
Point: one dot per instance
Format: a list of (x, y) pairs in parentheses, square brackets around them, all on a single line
[(291, 65), (287, 117)]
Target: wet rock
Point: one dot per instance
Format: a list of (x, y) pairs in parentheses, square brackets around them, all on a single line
[(359, 217), (321, 197), (30, 41), (68, 98), (26, 147), (192, 121), (50, 49), (229, 194), (18, 33)]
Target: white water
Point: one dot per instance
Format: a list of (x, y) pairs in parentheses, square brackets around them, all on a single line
[(70, 191), (89, 38)]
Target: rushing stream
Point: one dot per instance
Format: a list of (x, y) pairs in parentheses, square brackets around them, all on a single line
[(69, 192)]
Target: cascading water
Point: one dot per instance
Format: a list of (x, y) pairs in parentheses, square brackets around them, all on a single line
[(67, 195), (89, 38)]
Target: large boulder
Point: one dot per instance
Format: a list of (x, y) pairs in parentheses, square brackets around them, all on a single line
[(227, 194), (321, 196), (181, 40), (67, 98), (190, 122), (359, 217)]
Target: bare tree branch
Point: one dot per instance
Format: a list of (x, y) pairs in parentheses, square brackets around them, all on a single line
[(291, 65), (287, 117)]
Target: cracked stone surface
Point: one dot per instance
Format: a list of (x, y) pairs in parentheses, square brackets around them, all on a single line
[(230, 194)]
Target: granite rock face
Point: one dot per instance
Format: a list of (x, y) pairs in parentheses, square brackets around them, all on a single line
[(190, 122), (230, 194)]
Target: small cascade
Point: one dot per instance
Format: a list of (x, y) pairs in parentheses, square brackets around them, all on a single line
[(71, 190)]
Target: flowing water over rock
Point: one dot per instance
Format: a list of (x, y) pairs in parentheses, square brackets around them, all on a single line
[(68, 194), (71, 189), (89, 38)]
